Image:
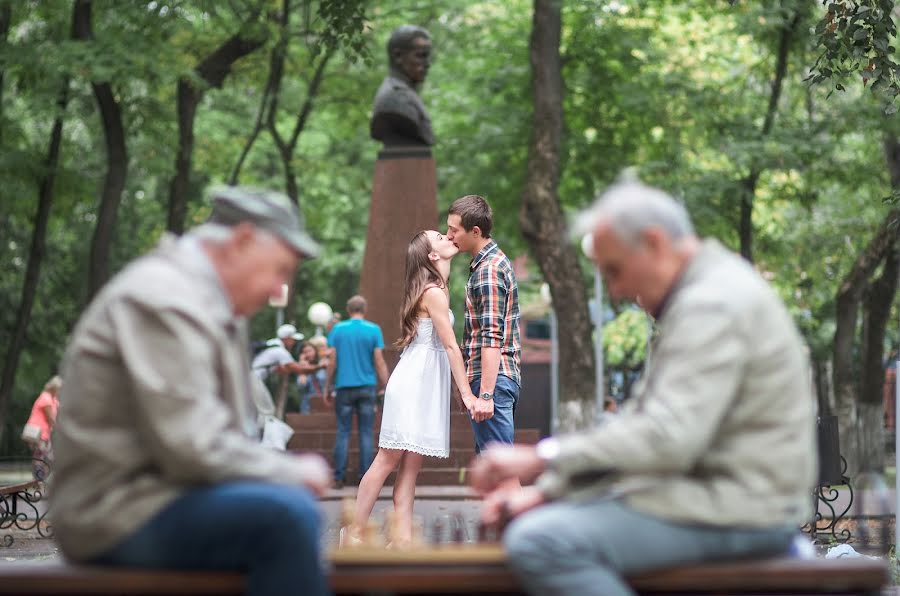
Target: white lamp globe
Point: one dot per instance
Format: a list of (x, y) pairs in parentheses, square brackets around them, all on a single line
[(319, 314), (587, 245)]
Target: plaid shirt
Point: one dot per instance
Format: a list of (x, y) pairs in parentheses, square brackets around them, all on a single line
[(492, 313)]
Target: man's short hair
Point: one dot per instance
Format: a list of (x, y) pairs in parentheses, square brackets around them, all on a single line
[(473, 211), (630, 208), (356, 305), (402, 39)]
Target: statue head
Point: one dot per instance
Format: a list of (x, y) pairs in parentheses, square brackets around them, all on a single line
[(409, 52)]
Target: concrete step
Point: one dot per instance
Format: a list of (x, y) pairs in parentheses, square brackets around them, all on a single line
[(460, 440), (458, 457), (426, 477), (327, 421)]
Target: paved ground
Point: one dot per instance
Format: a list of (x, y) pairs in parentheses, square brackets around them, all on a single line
[(441, 503)]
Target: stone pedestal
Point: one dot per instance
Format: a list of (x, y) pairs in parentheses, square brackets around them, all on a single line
[(404, 201)]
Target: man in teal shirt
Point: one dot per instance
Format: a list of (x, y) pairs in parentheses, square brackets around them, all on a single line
[(355, 370)]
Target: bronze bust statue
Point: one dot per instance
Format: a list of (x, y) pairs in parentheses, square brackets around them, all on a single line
[(399, 116)]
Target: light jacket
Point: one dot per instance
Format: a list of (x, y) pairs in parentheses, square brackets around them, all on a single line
[(158, 398), (721, 429)]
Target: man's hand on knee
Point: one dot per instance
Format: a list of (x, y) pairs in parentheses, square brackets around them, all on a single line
[(505, 503), (499, 463)]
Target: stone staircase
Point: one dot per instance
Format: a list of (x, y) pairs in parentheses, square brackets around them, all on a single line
[(315, 432)]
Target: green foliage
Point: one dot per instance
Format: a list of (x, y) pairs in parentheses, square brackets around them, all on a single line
[(345, 23), (679, 89), (625, 339), (858, 38)]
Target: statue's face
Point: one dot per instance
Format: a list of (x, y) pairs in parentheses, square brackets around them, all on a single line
[(415, 61)]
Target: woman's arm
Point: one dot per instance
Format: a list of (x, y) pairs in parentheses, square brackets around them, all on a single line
[(437, 305)]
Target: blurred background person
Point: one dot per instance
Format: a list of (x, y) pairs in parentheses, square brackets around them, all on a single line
[(39, 427)]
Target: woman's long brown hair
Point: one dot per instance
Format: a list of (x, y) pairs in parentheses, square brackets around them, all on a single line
[(420, 273)]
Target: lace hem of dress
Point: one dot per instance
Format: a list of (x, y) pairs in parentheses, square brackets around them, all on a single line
[(388, 444)]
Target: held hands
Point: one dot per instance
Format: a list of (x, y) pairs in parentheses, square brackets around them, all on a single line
[(468, 402), (500, 463), (482, 409), (505, 503)]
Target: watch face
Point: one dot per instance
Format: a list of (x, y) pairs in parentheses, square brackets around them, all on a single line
[(486, 395)]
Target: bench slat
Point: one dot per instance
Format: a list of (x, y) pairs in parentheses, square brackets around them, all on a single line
[(17, 488), (68, 580), (817, 576)]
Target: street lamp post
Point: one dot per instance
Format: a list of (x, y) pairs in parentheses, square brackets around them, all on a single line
[(554, 359), (897, 441), (278, 304), (587, 247)]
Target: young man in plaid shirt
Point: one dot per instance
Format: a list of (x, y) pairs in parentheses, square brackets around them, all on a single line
[(491, 345)]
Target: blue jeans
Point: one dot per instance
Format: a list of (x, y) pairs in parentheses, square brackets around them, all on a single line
[(362, 401), (268, 531), (499, 428), (586, 548), (310, 388)]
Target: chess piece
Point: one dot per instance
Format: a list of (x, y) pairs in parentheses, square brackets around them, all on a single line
[(418, 531), (505, 518), (372, 536), (487, 532), (346, 537), (395, 541), (458, 532), (437, 530)]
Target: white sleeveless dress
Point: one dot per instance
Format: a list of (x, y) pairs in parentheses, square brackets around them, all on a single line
[(416, 413)]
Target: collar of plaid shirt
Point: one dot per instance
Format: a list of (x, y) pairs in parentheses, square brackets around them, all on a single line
[(489, 249)]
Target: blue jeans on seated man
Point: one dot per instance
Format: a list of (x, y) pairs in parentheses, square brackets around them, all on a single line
[(362, 401), (586, 547), (268, 531), (499, 428)]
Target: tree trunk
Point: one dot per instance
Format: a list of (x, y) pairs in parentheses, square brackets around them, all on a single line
[(544, 226), (822, 382), (876, 311), (35, 257), (748, 184), (212, 71), (849, 296), (116, 163)]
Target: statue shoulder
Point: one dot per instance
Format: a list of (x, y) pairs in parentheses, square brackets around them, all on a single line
[(396, 97)]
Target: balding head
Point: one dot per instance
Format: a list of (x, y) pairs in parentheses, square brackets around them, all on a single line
[(631, 208)]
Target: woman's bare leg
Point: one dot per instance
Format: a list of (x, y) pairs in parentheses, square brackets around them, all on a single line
[(384, 463), (405, 496)]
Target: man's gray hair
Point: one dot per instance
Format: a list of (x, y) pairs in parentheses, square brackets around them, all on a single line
[(631, 208)]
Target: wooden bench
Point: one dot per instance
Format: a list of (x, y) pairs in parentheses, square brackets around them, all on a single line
[(863, 577)]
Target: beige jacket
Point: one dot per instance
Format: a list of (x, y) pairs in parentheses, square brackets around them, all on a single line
[(157, 398), (722, 428)]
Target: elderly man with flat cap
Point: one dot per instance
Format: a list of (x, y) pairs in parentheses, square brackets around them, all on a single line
[(712, 458), (159, 461)]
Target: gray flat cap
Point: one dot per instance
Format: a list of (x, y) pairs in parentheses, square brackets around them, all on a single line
[(268, 210)]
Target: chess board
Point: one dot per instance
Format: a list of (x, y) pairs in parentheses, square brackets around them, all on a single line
[(489, 553)]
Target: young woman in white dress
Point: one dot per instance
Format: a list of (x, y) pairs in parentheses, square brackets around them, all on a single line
[(416, 417)]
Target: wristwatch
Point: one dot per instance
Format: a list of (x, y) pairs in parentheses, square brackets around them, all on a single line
[(486, 396)]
